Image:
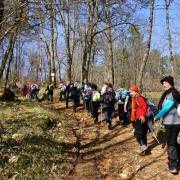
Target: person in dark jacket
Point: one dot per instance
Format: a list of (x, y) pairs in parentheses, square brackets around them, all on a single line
[(50, 90), (67, 93), (74, 93), (108, 100), (95, 102), (168, 111)]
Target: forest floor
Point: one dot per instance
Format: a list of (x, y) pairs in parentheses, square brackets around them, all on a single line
[(49, 141), (112, 154)]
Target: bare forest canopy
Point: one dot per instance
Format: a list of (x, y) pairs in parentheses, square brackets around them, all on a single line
[(97, 40)]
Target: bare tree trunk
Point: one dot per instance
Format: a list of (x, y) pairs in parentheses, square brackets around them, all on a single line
[(51, 12), (167, 3), (10, 58), (69, 32), (89, 39), (1, 13), (148, 45), (110, 54), (110, 44), (9, 66), (40, 62), (6, 55)]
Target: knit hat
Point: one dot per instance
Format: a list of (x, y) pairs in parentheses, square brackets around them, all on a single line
[(134, 88), (109, 85), (168, 79)]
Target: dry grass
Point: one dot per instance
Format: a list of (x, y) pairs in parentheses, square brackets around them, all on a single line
[(31, 141)]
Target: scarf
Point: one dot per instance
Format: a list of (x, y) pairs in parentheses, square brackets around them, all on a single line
[(133, 110), (133, 107), (175, 94)]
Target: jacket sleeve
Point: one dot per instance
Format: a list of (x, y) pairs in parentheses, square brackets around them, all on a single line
[(142, 105), (165, 109)]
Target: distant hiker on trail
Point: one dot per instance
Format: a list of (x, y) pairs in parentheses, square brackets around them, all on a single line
[(34, 91), (78, 86), (138, 118), (168, 110), (50, 91), (87, 97), (24, 90), (74, 93), (62, 91), (95, 104), (108, 100), (123, 97), (67, 92)]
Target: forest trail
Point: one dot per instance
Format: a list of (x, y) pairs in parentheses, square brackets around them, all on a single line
[(103, 154)]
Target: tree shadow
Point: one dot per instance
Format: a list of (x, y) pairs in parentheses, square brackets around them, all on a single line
[(154, 143), (146, 165), (41, 141)]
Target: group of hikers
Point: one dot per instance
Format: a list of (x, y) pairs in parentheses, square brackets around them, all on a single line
[(132, 107)]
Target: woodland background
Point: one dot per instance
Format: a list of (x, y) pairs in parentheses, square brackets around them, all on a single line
[(97, 40)]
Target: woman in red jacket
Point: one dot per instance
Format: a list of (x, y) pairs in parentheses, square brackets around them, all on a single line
[(138, 118)]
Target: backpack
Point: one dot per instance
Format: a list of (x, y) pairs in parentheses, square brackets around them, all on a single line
[(95, 96), (152, 109), (109, 98), (122, 94), (87, 93), (74, 91)]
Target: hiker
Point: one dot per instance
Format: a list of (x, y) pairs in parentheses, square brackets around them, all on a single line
[(167, 110), (50, 91), (95, 102), (75, 95), (108, 101), (87, 97), (123, 98), (78, 86), (138, 118), (67, 92), (62, 91), (24, 90), (34, 91)]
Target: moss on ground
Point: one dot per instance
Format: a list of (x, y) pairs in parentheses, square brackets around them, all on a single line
[(32, 145)]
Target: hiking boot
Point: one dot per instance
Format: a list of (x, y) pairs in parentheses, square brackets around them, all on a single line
[(172, 170), (143, 149)]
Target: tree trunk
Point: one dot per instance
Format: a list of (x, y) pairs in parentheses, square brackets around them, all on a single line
[(9, 65), (52, 43), (111, 57), (6, 55), (110, 44), (167, 3), (1, 13), (148, 45), (88, 40)]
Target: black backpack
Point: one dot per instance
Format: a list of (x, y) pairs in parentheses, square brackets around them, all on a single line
[(109, 98), (74, 91)]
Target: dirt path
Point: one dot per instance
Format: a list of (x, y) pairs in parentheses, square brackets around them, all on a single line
[(103, 154)]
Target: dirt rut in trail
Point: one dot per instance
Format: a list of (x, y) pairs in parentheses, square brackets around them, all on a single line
[(103, 154)]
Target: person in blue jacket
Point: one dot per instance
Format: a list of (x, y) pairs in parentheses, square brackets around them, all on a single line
[(168, 111)]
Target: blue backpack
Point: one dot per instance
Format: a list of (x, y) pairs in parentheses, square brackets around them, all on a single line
[(122, 94)]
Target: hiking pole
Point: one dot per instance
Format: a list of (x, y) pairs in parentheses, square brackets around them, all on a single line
[(150, 125)]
